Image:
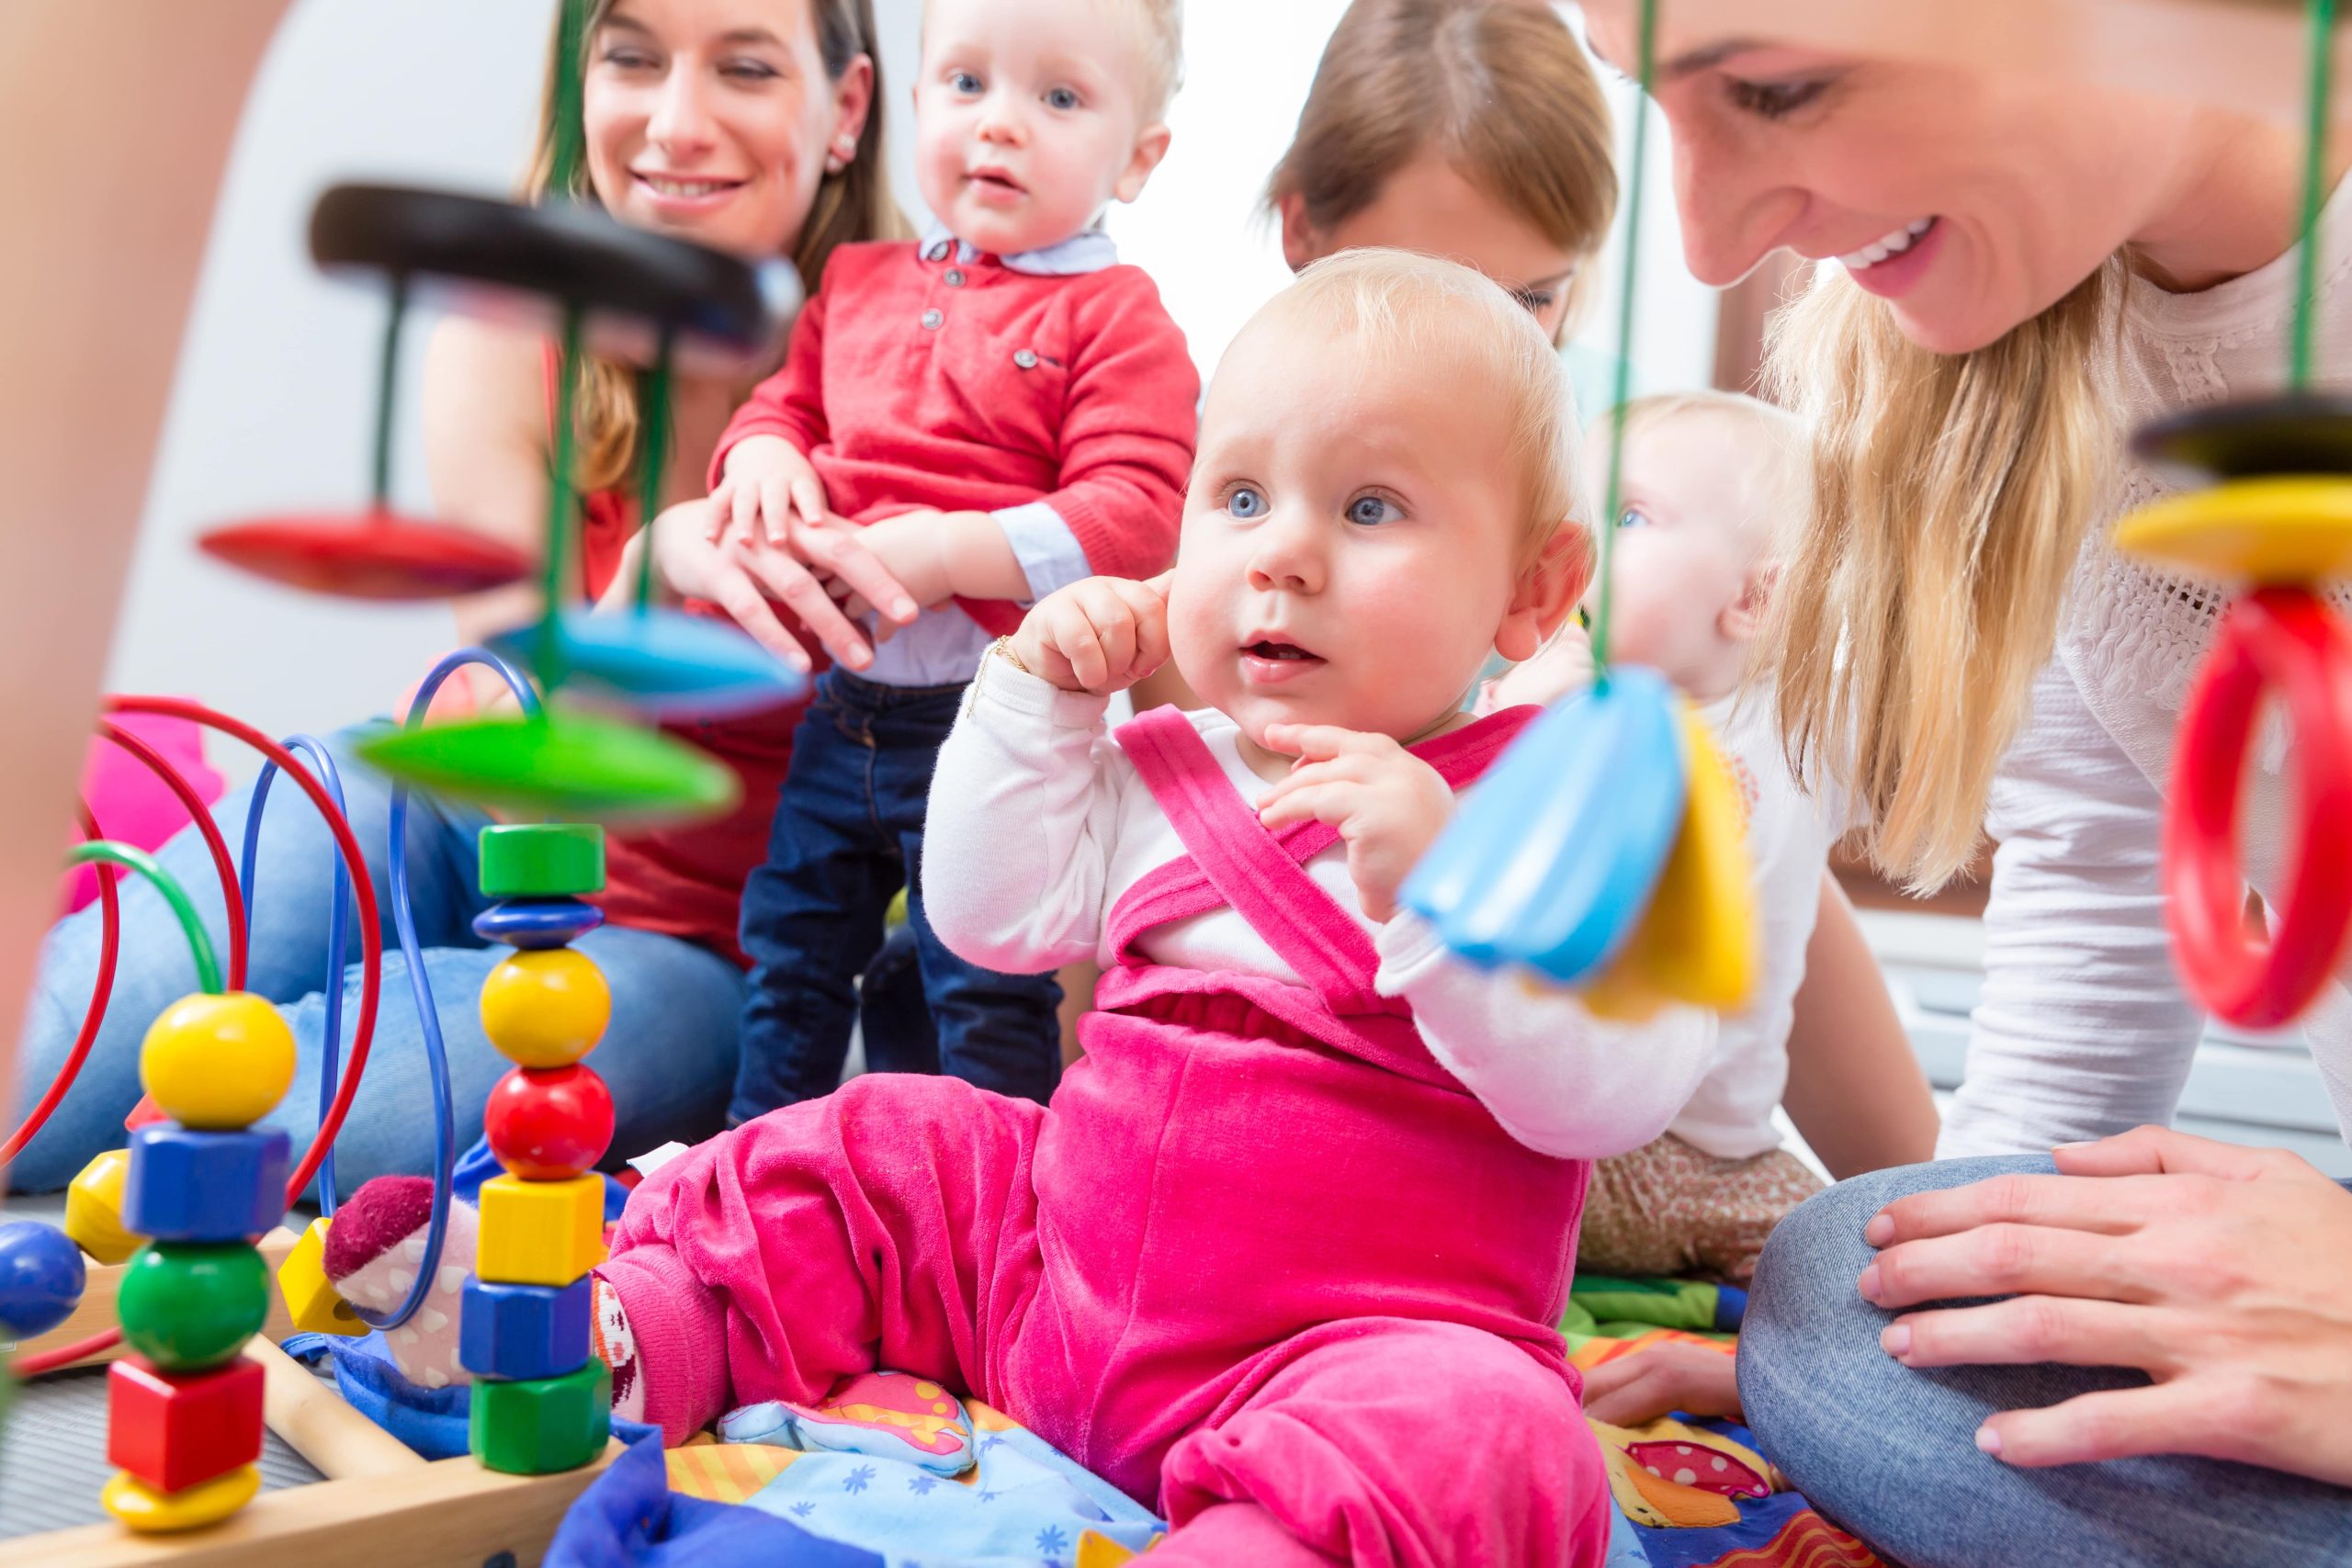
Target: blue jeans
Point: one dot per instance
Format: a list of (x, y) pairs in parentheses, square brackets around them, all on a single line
[(848, 835), (668, 1055), (1890, 1453)]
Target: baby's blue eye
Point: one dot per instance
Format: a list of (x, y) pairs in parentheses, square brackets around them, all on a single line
[(1370, 510), (1245, 503), (1633, 517), (1062, 98), (963, 82)]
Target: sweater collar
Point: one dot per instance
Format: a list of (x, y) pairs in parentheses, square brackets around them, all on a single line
[(1090, 250)]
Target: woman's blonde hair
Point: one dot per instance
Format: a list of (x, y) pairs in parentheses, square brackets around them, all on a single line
[(1500, 88), (854, 204), (1427, 310), (1951, 494)]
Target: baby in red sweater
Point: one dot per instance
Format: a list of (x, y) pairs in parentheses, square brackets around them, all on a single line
[(1003, 409)]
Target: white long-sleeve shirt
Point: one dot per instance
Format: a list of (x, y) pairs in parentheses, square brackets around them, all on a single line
[(2083, 1030), (1038, 822)]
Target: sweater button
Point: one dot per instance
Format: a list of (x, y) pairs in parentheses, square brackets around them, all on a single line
[(955, 277), (931, 319), (1024, 358)]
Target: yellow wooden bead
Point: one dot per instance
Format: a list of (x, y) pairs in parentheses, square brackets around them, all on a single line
[(93, 1208), (2293, 529), (1696, 943), (546, 1009), (540, 1233), (311, 1297), (218, 1063), (144, 1509)]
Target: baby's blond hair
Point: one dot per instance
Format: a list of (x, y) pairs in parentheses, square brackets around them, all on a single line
[(1159, 35), (1428, 310), (1775, 494)]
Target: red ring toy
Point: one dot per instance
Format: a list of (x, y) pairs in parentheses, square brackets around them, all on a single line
[(2278, 639)]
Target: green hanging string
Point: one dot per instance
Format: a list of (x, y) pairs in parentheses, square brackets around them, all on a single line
[(1624, 371), (380, 473), (547, 663), (207, 967), (654, 397), (567, 140), (2323, 30)]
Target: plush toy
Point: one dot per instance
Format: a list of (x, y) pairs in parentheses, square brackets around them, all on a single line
[(374, 1247)]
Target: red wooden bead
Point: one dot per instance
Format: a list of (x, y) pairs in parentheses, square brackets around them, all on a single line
[(174, 1430), (549, 1123)]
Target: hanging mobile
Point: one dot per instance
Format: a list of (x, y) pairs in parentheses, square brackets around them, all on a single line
[(2275, 523), (1604, 850)]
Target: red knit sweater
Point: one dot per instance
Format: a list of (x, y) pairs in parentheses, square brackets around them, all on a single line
[(908, 390)]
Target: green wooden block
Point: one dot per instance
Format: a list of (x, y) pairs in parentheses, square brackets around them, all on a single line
[(542, 859), (540, 1426), (185, 1305)]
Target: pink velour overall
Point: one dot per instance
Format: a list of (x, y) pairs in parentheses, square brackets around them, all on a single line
[(1262, 1263)]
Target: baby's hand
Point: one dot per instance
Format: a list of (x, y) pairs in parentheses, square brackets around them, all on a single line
[(1100, 635), (1560, 666), (767, 480), (1387, 804)]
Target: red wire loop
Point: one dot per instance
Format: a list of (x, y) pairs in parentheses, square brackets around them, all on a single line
[(371, 939), (2281, 641), (110, 948), (192, 801)]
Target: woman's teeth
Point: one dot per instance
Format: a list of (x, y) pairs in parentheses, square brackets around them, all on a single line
[(688, 189), (1885, 245)]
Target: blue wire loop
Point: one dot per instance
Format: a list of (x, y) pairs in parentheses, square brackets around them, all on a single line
[(437, 1056), (338, 931)]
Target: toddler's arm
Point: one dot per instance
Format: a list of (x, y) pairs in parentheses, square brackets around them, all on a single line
[(762, 458), (1559, 1079), (1025, 804)]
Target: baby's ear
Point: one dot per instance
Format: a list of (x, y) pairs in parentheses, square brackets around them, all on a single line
[(1548, 589), (1152, 146), (1744, 616)]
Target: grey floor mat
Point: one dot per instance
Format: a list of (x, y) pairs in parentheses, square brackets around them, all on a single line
[(53, 1455)]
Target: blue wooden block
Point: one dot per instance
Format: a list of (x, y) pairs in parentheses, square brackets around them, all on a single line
[(1554, 855), (190, 1186), (533, 923), (518, 1332)]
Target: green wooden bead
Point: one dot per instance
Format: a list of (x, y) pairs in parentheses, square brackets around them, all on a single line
[(542, 859), (185, 1305), (540, 1426)]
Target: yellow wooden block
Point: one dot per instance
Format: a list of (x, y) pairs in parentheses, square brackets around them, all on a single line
[(540, 1233), (1697, 940), (93, 1208), (2285, 530), (143, 1508), (311, 1297)]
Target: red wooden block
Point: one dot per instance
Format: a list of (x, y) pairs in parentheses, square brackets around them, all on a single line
[(549, 1123), (174, 1430)]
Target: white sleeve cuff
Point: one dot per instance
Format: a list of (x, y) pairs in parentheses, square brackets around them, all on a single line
[(1049, 552), (1004, 685)]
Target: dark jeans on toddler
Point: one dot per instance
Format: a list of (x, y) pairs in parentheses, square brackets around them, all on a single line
[(848, 835)]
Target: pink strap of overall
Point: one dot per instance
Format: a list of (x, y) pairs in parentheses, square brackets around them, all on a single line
[(1234, 860)]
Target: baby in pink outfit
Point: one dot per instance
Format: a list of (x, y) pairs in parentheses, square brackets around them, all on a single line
[(1284, 1256)]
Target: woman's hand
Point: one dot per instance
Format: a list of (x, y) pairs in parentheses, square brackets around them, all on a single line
[(742, 579), (2224, 1273), (1099, 634), (1387, 804), (1636, 1390)]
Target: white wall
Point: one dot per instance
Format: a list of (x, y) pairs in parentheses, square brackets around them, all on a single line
[(271, 408)]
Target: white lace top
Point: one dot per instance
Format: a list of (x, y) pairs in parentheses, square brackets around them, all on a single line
[(2083, 1030)]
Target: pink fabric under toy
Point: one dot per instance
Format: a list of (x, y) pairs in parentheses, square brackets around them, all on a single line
[(132, 806), (1263, 1264)]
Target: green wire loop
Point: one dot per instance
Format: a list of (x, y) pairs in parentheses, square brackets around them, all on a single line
[(654, 397), (208, 966), (567, 140), (2323, 30), (1646, 69)]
